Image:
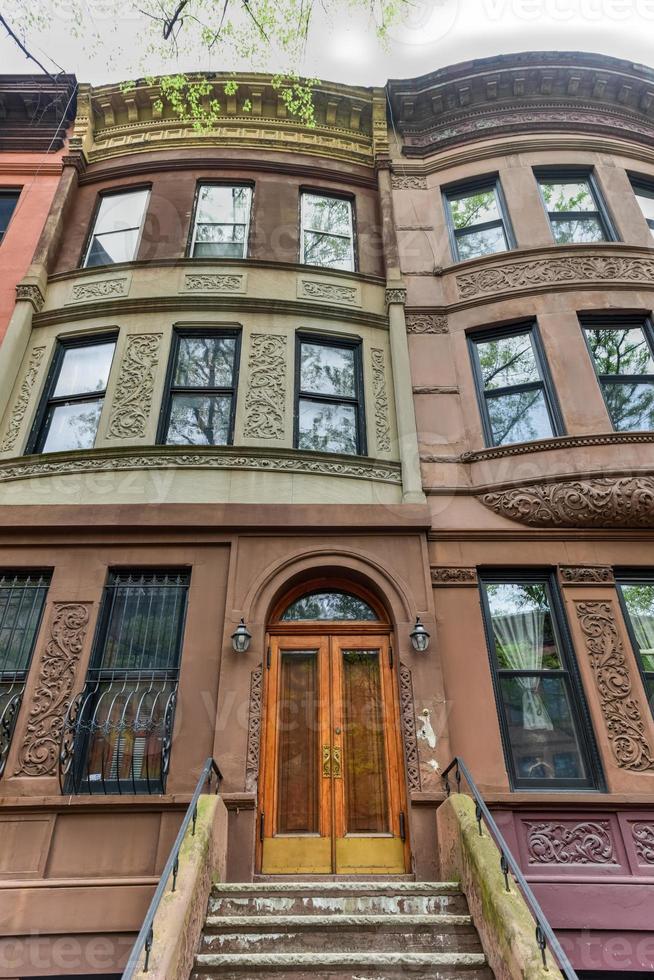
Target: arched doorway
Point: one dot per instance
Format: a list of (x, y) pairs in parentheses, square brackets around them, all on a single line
[(332, 787)]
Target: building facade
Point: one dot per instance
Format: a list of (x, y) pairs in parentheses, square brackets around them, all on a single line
[(328, 383)]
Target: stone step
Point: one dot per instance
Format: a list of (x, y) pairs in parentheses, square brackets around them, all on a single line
[(339, 933), (343, 966)]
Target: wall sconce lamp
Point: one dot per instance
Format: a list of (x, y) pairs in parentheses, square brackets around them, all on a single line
[(241, 638), (419, 637)]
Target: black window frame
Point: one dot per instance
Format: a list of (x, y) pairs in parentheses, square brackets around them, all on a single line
[(190, 243), (635, 576), (40, 429), (472, 186), (605, 321), (572, 174), (569, 669), (180, 332), (646, 184), (12, 192), (337, 196), (88, 241), (356, 345), (546, 384)]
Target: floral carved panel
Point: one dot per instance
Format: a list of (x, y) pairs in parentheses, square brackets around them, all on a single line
[(101, 289), (586, 575), (39, 751), (407, 709), (621, 710), (215, 282), (24, 395), (326, 292), (643, 839), (418, 323), (380, 396), (610, 502), (254, 730), (132, 400), (409, 182), (265, 402), (570, 842), (442, 575)]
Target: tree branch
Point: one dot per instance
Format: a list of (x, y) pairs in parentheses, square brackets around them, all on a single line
[(22, 47)]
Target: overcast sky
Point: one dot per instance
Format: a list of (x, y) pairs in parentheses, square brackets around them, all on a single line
[(440, 32)]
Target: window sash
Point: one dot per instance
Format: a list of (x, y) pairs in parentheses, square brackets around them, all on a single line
[(224, 224), (647, 674), (502, 221), (138, 227), (33, 591), (355, 401), (598, 213), (306, 228), (8, 196), (588, 325)]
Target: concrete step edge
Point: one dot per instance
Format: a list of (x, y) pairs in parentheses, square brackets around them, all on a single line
[(313, 961), (394, 922), (338, 887)]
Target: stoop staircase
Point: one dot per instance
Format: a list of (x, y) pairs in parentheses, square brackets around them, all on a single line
[(341, 930)]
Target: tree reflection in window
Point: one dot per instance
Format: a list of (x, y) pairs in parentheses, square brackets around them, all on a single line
[(328, 397), (326, 234), (622, 355), (332, 605), (572, 205), (477, 222)]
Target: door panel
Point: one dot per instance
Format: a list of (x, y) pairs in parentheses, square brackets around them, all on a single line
[(331, 780)]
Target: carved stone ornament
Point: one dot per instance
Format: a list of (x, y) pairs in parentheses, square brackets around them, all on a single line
[(328, 292), (380, 396), (435, 390), (426, 323), (254, 730), (133, 396), (554, 271), (212, 282), (395, 295), (265, 401), (30, 291), (621, 711), (39, 752), (557, 442), (441, 575), (643, 838), (589, 842), (19, 409), (408, 182), (102, 289), (610, 502), (407, 709), (586, 575)]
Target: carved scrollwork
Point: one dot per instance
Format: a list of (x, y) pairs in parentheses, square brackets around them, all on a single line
[(395, 295), (453, 576), (254, 730), (265, 402), (133, 396), (99, 290), (426, 323), (214, 282), (329, 292), (589, 842), (39, 752), (609, 502), (409, 182), (382, 424), (407, 708), (24, 395), (643, 838), (586, 575), (30, 291), (621, 711)]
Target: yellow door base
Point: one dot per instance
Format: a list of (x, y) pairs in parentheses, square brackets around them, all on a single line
[(370, 855), (296, 855)]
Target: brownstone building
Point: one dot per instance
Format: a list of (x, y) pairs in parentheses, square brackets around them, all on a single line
[(332, 384)]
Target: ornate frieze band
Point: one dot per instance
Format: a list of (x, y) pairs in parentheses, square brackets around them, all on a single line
[(39, 752), (442, 575), (254, 730), (559, 442), (31, 292), (19, 409), (265, 401), (100, 289), (407, 709), (408, 182), (643, 838), (418, 323), (586, 575), (609, 502), (570, 842), (328, 292), (555, 271), (215, 282), (621, 710), (132, 399), (380, 396)]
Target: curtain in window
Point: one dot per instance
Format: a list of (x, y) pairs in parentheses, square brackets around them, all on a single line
[(643, 624), (521, 638)]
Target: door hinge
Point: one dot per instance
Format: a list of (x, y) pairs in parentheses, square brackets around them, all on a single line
[(402, 825), (268, 658), (261, 821)]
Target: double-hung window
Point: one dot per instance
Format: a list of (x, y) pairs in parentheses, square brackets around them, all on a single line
[(201, 402), (327, 231), (644, 192), (222, 222), (574, 207), (636, 594), (121, 733), (75, 390), (329, 414), (117, 228), (515, 396), (622, 350), (22, 598), (544, 721), (477, 220), (8, 202)]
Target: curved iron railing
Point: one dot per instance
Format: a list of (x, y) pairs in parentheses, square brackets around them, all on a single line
[(545, 936), (10, 702), (145, 938), (117, 733)]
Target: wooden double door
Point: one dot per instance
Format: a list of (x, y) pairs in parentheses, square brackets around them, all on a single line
[(333, 797)]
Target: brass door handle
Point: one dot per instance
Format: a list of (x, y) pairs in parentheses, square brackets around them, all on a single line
[(336, 762), (326, 761), (331, 761)]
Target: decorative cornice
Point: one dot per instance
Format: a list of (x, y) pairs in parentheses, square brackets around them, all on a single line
[(30, 292), (586, 575), (211, 458), (447, 576), (610, 502), (420, 321), (559, 442), (36, 111)]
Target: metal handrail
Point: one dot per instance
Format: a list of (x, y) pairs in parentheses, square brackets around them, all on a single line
[(544, 933), (145, 938)]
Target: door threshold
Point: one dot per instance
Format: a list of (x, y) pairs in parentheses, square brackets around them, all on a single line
[(381, 878)]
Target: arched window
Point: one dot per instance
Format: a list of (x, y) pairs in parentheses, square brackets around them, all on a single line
[(332, 604)]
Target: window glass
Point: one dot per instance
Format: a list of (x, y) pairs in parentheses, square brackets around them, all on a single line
[(327, 370), (8, 202), (327, 234), (625, 368), (508, 361), (327, 428), (200, 406), (328, 399), (221, 222), (477, 222), (205, 362), (573, 210), (72, 426), (117, 228), (568, 195), (199, 420), (329, 605), (85, 369), (521, 417), (638, 600), (645, 198)]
